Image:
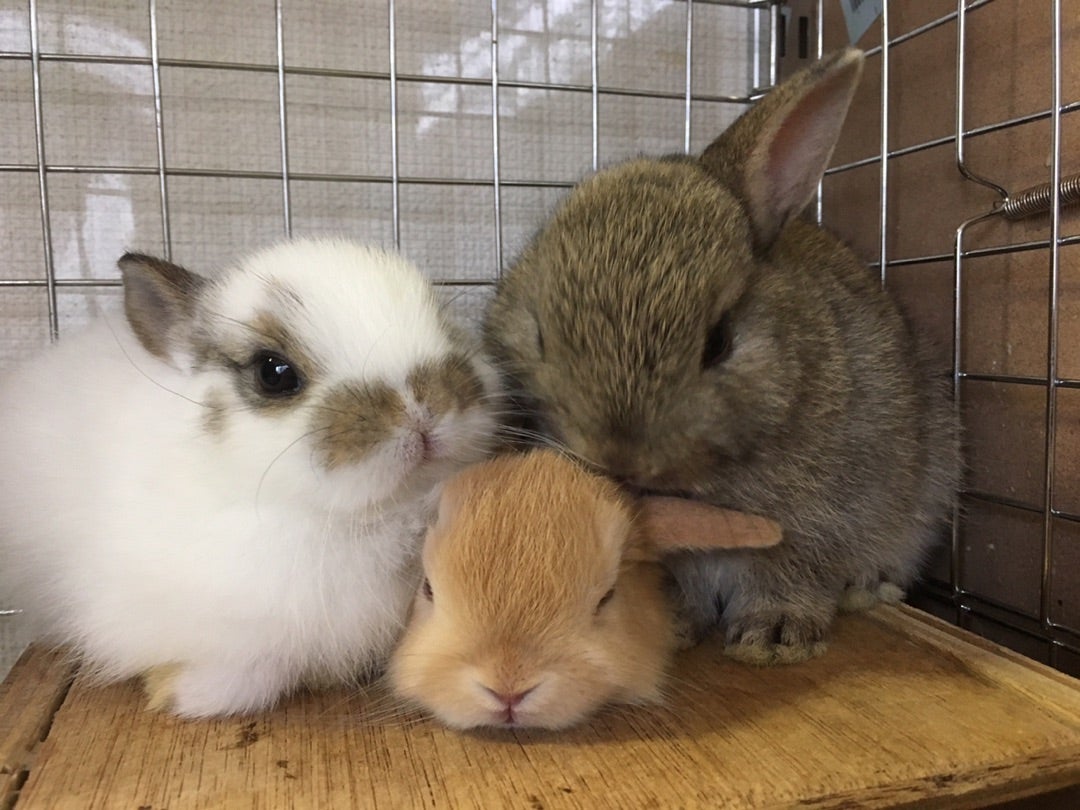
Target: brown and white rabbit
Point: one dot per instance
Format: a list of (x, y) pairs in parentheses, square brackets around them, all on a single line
[(679, 326), (543, 598), (228, 492)]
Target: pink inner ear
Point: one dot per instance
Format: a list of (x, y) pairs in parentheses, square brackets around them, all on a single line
[(801, 148), (671, 524)]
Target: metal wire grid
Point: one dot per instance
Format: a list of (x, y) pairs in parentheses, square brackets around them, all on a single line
[(968, 605), (769, 9)]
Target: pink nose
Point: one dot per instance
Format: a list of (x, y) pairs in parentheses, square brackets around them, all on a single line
[(509, 699)]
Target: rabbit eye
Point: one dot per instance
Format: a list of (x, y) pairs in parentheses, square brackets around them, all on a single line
[(604, 600), (717, 343), (426, 590), (275, 375)]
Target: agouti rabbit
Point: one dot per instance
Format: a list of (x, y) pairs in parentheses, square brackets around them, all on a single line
[(677, 325)]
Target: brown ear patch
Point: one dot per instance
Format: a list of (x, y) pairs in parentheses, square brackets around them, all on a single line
[(158, 297)]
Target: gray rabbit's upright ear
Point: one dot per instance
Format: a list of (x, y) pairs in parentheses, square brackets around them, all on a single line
[(159, 300), (773, 156)]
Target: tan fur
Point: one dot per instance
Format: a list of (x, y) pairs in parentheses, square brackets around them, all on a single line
[(159, 683), (524, 550)]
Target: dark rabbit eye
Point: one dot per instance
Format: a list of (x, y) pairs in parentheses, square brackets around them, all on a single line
[(604, 600), (275, 375), (717, 343), (426, 590)]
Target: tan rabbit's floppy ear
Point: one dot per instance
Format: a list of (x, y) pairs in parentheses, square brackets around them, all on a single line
[(158, 297), (774, 155), (680, 524)]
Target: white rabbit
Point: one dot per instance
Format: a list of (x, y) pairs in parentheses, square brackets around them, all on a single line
[(228, 497)]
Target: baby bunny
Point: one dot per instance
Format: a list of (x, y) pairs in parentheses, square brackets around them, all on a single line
[(677, 325), (228, 497), (543, 599)]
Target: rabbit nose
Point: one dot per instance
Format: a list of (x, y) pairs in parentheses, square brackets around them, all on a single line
[(510, 699)]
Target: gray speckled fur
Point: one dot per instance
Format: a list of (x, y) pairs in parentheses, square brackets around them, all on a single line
[(824, 416)]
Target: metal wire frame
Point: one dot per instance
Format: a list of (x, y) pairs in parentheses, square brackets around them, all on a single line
[(279, 36), (159, 131), (969, 605), (392, 76), (883, 172), (966, 602), (43, 185)]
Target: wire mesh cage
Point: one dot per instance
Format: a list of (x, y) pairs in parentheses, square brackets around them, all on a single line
[(199, 130), (944, 181)]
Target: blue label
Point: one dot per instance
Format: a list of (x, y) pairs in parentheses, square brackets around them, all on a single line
[(860, 15)]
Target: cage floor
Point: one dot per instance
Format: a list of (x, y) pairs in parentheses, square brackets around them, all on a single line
[(902, 711)]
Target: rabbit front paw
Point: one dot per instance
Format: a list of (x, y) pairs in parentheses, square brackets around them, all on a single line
[(782, 637), (691, 627), (159, 684), (859, 598), (210, 690)]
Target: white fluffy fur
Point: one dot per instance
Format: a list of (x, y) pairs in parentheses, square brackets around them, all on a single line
[(130, 531)]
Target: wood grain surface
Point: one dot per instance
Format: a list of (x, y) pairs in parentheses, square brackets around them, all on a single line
[(28, 701), (902, 710)]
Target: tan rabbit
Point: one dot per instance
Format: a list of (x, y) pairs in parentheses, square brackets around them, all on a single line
[(543, 599), (677, 325)]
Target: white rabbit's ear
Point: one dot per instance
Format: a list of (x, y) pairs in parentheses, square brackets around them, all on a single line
[(159, 300), (679, 524), (774, 155)]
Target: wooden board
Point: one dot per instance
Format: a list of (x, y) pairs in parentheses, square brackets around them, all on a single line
[(28, 701), (903, 710)]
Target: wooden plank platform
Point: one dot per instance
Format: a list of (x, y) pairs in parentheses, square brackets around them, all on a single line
[(903, 711)]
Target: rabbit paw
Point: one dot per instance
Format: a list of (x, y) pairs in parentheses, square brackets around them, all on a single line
[(858, 598), (690, 630), (209, 691), (695, 602), (766, 639), (159, 683)]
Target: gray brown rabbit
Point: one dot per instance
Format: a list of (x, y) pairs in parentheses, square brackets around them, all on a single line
[(679, 326)]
